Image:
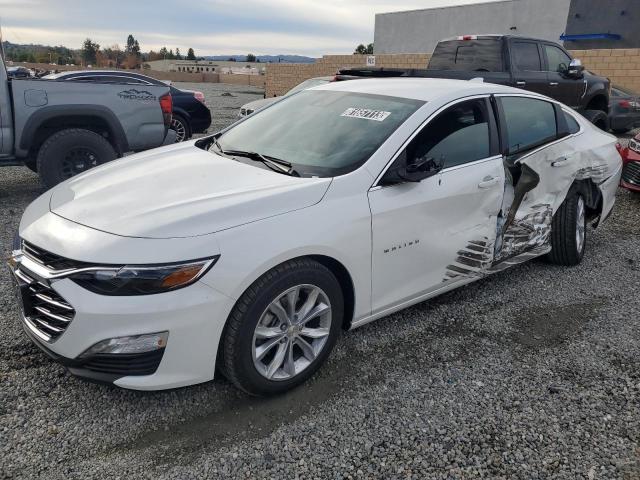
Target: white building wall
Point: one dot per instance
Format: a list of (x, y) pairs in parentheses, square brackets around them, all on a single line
[(418, 31)]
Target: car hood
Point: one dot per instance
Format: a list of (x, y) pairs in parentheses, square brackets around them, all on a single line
[(180, 192), (263, 102)]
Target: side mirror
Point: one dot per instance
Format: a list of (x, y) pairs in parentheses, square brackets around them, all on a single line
[(576, 69), (418, 170)]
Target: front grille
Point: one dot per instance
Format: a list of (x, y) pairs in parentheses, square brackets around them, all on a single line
[(48, 259), (125, 364), (631, 173), (44, 309)]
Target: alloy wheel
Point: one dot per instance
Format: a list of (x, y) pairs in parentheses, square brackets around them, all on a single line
[(78, 160), (180, 129), (292, 331), (580, 224)]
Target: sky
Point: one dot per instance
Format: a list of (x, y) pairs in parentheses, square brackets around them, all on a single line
[(210, 27)]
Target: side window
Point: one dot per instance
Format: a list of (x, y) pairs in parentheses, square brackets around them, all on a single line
[(456, 136), (558, 60), (529, 122), (573, 125), (526, 56)]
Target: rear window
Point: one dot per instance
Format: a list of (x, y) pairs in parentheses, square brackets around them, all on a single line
[(469, 55)]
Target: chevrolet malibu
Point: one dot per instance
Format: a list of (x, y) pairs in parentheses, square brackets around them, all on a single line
[(251, 250)]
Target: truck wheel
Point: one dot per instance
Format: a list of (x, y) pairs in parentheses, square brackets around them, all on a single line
[(598, 118), (70, 152), (181, 127), (569, 232)]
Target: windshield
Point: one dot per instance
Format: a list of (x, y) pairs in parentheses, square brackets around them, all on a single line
[(313, 82), (321, 133)]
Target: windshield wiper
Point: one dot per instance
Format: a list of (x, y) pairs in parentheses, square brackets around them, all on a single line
[(275, 164)]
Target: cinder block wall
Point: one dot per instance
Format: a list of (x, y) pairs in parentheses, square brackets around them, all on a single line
[(282, 77), (622, 66)]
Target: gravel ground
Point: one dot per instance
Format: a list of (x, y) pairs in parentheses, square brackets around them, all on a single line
[(531, 373)]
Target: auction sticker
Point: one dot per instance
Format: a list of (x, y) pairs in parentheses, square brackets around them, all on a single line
[(377, 115)]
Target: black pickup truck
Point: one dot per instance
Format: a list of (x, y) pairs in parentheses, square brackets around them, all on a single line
[(531, 64)]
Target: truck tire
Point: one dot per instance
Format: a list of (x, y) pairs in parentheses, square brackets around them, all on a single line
[(598, 118), (569, 232), (70, 152)]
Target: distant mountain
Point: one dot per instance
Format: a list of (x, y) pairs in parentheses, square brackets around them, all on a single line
[(265, 58)]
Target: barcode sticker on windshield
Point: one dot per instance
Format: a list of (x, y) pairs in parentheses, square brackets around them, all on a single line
[(377, 115)]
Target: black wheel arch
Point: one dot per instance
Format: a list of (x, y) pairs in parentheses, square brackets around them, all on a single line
[(592, 198), (48, 120)]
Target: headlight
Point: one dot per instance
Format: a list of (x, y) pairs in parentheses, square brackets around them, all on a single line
[(142, 280), (634, 145)]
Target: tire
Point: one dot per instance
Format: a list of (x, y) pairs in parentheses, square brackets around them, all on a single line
[(569, 224), (70, 152), (32, 164), (241, 343), (598, 118), (181, 127)]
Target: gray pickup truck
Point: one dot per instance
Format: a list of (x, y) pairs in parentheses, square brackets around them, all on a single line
[(61, 129)]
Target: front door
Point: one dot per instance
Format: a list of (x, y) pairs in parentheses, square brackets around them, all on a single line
[(561, 87), (428, 234)]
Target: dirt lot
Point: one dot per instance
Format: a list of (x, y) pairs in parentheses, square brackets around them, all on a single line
[(531, 373)]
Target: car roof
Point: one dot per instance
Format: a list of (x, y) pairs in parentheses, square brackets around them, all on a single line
[(88, 73), (425, 89)]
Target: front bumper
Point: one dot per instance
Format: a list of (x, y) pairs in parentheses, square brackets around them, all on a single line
[(631, 171), (194, 317), (624, 121)]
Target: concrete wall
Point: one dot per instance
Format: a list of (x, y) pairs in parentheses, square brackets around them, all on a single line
[(622, 66), (420, 30), (596, 16)]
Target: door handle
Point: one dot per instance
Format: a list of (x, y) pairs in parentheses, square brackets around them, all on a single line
[(553, 84), (488, 182), (560, 162), (521, 83)]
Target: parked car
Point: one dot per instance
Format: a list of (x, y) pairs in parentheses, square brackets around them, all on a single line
[(532, 64), (251, 249), (624, 110), (251, 107), (631, 171), (59, 130), (19, 72), (190, 113)]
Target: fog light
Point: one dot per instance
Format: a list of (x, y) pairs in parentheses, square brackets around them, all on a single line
[(129, 345)]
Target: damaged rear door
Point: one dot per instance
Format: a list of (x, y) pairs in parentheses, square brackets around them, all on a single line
[(442, 229), (540, 167)]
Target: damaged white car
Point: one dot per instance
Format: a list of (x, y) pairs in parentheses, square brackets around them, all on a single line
[(250, 250)]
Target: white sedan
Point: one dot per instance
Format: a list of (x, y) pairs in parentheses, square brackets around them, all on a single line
[(252, 249)]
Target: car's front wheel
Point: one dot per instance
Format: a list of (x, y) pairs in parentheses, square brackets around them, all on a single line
[(569, 232), (283, 328)]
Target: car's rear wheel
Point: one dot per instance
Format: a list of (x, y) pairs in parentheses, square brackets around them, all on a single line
[(569, 232), (181, 127), (283, 328), (70, 152)]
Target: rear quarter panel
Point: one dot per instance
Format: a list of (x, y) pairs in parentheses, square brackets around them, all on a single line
[(136, 107)]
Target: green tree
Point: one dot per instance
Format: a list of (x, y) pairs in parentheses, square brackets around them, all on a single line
[(362, 50), (191, 55), (89, 51), (178, 56), (251, 57), (133, 47)]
